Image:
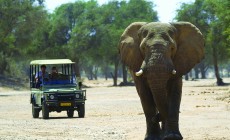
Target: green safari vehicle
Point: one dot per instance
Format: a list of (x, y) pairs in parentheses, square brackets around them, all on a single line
[(58, 90)]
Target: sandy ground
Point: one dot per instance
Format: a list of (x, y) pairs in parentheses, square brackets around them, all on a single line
[(115, 113)]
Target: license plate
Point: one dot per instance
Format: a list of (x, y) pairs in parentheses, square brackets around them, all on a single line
[(65, 104)]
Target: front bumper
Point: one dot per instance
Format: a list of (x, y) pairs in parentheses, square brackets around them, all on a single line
[(63, 105), (64, 101)]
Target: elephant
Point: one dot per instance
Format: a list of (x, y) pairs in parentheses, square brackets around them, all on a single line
[(158, 55)]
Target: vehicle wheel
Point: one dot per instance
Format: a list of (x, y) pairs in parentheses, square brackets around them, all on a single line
[(70, 113), (35, 111), (45, 111), (81, 111)]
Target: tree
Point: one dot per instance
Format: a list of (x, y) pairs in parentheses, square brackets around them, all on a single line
[(216, 37), (63, 36), (195, 14), (20, 21), (133, 11), (204, 15), (114, 24), (89, 33), (85, 41)]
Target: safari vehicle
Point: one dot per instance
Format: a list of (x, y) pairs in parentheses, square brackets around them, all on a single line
[(63, 93)]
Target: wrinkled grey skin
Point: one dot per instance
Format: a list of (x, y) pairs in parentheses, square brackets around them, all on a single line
[(158, 54)]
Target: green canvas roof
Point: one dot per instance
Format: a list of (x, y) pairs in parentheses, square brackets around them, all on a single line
[(51, 61)]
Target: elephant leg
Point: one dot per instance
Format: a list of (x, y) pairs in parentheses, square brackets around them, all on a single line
[(174, 100), (149, 108), (158, 118)]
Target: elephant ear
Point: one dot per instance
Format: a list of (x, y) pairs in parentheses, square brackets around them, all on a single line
[(129, 46), (190, 47)]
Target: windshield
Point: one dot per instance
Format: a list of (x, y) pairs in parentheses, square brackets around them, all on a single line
[(52, 74), (60, 79)]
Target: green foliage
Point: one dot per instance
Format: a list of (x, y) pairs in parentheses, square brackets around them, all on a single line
[(222, 11), (88, 33), (98, 29), (20, 22), (210, 17), (217, 32)]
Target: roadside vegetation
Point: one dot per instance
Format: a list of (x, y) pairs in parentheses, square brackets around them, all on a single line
[(88, 33)]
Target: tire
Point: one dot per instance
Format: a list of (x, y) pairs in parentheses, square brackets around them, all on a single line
[(35, 111), (70, 113), (45, 111), (81, 111)]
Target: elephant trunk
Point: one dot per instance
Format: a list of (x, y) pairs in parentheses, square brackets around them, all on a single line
[(158, 71), (158, 86)]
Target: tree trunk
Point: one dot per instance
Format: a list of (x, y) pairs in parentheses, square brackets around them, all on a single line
[(3, 63), (203, 75), (190, 74), (106, 72), (124, 71), (114, 76), (77, 69), (216, 69), (203, 70), (90, 74), (95, 72), (196, 72), (186, 77)]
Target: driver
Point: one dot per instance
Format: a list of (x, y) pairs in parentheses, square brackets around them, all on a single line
[(41, 74)]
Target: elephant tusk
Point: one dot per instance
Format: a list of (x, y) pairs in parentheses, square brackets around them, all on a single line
[(139, 73), (174, 72)]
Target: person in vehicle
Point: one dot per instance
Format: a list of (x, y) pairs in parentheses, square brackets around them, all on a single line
[(54, 73), (41, 75)]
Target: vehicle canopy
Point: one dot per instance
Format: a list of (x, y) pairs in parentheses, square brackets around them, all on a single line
[(65, 72), (51, 61)]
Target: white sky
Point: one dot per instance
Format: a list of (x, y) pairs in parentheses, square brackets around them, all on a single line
[(166, 8)]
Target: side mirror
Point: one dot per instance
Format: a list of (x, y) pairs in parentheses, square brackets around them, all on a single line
[(80, 85)]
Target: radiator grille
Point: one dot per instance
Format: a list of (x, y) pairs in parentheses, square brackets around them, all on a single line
[(65, 97)]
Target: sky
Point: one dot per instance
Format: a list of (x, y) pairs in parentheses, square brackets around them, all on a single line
[(166, 9)]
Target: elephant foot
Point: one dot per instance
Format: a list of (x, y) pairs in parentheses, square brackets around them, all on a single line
[(152, 137), (172, 136), (153, 130)]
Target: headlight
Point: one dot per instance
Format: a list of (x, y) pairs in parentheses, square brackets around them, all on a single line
[(77, 96), (51, 97)]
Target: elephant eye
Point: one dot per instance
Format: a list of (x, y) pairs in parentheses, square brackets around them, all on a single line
[(143, 49), (151, 35), (173, 48), (145, 32), (165, 37), (170, 32)]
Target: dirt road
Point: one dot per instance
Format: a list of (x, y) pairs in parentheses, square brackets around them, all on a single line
[(115, 113)]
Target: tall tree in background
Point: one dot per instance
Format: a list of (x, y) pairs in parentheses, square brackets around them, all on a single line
[(133, 11), (65, 20), (19, 21), (195, 14), (122, 14), (98, 33), (88, 33), (217, 34), (85, 41), (204, 15), (62, 24)]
